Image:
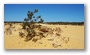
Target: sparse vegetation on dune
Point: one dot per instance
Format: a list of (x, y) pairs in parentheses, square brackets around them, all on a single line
[(49, 26), (34, 30), (54, 35), (29, 25)]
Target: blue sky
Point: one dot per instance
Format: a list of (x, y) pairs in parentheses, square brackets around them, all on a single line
[(48, 12)]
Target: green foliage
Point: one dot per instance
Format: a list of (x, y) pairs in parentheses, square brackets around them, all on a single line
[(41, 21), (29, 24)]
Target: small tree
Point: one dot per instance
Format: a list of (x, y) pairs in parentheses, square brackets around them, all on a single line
[(29, 24)]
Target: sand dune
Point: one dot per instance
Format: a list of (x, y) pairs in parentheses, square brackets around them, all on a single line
[(71, 37)]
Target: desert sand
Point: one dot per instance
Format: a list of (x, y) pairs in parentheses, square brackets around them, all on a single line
[(71, 37)]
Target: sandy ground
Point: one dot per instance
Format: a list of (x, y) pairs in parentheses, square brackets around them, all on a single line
[(73, 39)]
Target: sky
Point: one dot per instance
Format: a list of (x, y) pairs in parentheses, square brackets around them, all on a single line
[(48, 12)]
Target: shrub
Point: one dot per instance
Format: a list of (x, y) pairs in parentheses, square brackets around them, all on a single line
[(29, 24)]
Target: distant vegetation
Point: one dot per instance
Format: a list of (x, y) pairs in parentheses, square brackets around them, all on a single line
[(53, 23), (66, 23)]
